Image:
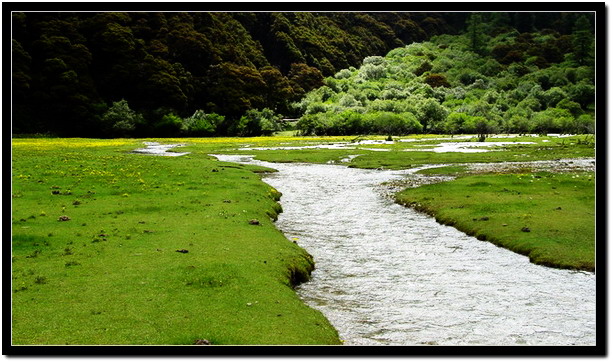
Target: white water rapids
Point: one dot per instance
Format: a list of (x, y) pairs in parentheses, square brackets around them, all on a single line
[(388, 275)]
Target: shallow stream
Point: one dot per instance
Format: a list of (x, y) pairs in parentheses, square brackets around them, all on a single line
[(388, 275)]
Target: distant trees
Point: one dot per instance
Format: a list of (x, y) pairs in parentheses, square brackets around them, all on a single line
[(520, 82), (204, 74), (67, 67)]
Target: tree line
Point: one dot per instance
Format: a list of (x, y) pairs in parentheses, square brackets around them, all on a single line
[(492, 78), (159, 74)]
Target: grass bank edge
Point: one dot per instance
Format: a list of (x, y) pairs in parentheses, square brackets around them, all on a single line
[(549, 217)]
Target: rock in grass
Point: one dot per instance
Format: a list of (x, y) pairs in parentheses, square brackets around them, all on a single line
[(63, 218), (254, 222), (525, 229), (182, 251), (201, 342)]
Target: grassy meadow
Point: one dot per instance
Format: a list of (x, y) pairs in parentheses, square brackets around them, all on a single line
[(546, 216), (112, 247)]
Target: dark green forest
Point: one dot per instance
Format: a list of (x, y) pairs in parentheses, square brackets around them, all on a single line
[(205, 74)]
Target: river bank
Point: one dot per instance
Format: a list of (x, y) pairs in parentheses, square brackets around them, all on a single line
[(388, 275), (547, 216)]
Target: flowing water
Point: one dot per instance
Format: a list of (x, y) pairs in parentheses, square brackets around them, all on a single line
[(388, 275)]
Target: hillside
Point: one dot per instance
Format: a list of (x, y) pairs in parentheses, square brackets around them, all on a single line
[(483, 81), (171, 74)]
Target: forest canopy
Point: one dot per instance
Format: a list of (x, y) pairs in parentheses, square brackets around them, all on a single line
[(488, 80), (203, 74)]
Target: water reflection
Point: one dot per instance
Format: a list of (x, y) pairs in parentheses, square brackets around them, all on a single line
[(387, 275)]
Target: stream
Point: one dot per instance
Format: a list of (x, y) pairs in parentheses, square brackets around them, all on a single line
[(388, 275)]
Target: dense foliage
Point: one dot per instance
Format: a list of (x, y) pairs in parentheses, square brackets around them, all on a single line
[(201, 74), (489, 79), (70, 68)]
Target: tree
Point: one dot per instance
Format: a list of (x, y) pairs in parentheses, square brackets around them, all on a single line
[(278, 91), (170, 125), (583, 41), (456, 123), (256, 123), (304, 78), (583, 93), (475, 32), (234, 89), (120, 120), (551, 120), (430, 114), (484, 127), (201, 124)]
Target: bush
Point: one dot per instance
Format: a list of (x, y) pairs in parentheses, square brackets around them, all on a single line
[(120, 120), (552, 120), (201, 124), (256, 123), (389, 123), (484, 127), (170, 125), (437, 80), (458, 123), (573, 107), (585, 124), (430, 114), (373, 72)]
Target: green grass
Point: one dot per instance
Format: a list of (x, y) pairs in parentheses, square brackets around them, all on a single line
[(544, 148), (548, 217), (111, 274), (444, 170)]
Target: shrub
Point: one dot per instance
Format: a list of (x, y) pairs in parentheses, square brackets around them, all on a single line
[(573, 107), (484, 127), (430, 113), (584, 124), (256, 123), (372, 72), (423, 68), (552, 120), (120, 120), (389, 123), (458, 123), (437, 80), (169, 125), (201, 124), (343, 74)]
